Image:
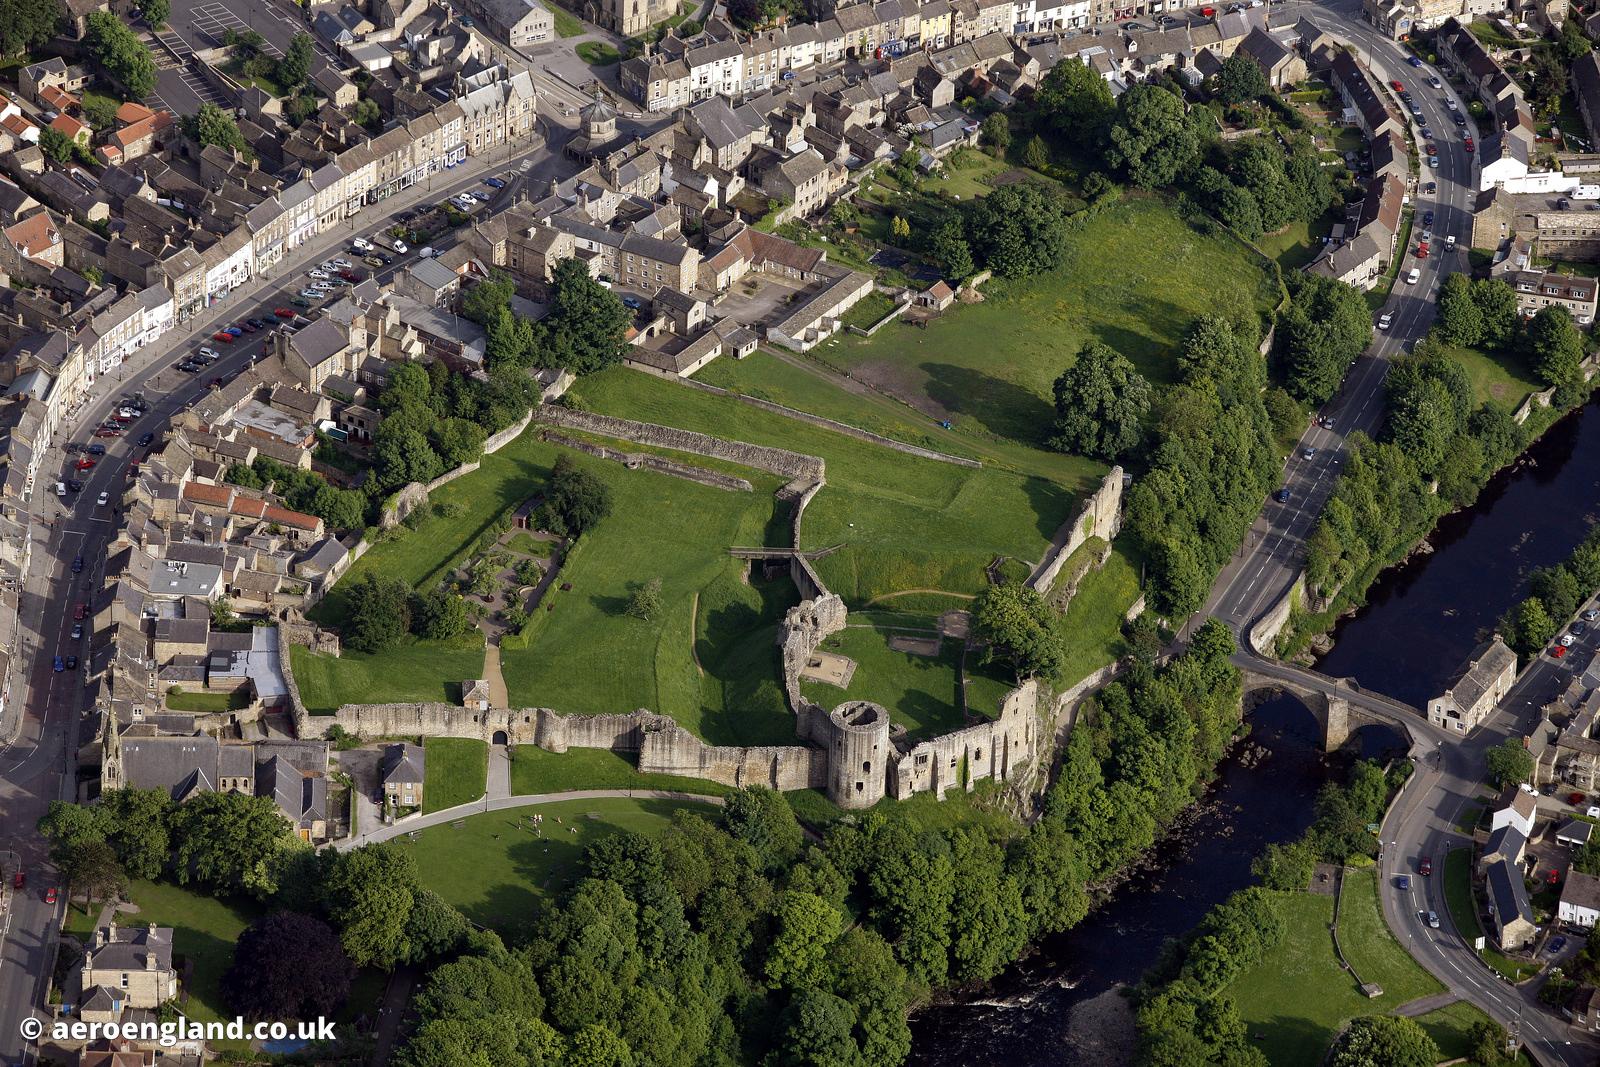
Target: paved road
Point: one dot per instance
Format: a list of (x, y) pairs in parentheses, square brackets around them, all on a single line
[(36, 763), (1274, 548), (506, 803)]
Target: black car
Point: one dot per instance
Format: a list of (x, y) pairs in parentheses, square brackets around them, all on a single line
[(386, 259), (146, 438), (74, 486), (1460, 119), (1427, 218), (72, 663), (97, 450), (77, 564)]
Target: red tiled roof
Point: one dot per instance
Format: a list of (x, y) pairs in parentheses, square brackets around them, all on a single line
[(298, 519), (132, 112), (68, 125), (215, 495)]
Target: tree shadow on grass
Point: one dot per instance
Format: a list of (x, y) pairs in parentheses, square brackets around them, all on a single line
[(1052, 504), (1286, 1039), (1001, 407)]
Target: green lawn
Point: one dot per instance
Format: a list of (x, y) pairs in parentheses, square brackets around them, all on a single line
[(529, 545), (534, 770), (203, 934), (905, 523), (498, 870), (567, 24), (919, 691), (1093, 620), (1297, 997), (1298, 243), (412, 671), (457, 768), (967, 173), (207, 702), (1496, 379), (1134, 276), (598, 53)]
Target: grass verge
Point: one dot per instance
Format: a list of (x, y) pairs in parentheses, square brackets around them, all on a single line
[(534, 770), (457, 769)]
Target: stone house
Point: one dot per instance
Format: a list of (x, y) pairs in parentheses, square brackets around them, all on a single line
[(133, 965), (1509, 909), (937, 296), (1484, 681), (1585, 1008), (1358, 262), (1537, 290), (1580, 900), (1505, 845), (404, 771)]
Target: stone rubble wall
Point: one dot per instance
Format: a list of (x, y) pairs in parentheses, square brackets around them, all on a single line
[(674, 750), (1100, 516), (522, 726), (1264, 633), (780, 461), (1001, 749), (637, 460)]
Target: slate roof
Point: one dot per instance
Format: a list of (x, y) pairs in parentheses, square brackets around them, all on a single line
[(403, 763)]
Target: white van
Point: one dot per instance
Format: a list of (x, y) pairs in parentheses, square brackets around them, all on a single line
[(361, 244), (61, 489), (1414, 276)]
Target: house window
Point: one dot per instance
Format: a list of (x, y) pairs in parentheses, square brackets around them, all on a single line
[(124, 979)]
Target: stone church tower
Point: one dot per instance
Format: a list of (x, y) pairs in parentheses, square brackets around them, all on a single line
[(111, 774)]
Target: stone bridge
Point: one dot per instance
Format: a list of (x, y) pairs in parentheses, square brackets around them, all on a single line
[(1339, 704)]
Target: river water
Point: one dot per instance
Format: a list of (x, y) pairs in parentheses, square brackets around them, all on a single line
[(1421, 621)]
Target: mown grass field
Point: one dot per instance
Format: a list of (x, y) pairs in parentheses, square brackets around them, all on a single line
[(413, 670), (1134, 276), (1496, 379), (456, 768), (1298, 998), (1092, 622), (534, 770), (498, 870), (905, 523)]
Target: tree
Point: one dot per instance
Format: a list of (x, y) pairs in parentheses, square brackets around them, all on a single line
[(1573, 44), (156, 12), (91, 868), (1530, 626), (402, 454), (1460, 321), (55, 144), (1101, 404), (575, 500), (67, 826), (1018, 626), (819, 1032), (1287, 866), (377, 613), (1554, 346), (1074, 103), (1497, 306), (25, 23), (370, 893), (1017, 230), (644, 601), (1385, 1041), (214, 126), (997, 134), (100, 112), (120, 53), (762, 819), (1509, 763), (228, 842), (139, 832), (587, 327), (486, 299), (295, 65), (1036, 154), (1152, 138), (1240, 80), (947, 246), (439, 615), (287, 966), (458, 441), (799, 954), (368, 114), (899, 228), (1327, 325), (1547, 77)]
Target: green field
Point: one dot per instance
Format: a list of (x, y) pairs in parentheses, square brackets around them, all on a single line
[(567, 24), (203, 934), (1496, 379), (457, 768), (1450, 1027), (1093, 620), (178, 700), (534, 770), (1297, 997), (918, 690), (1134, 276), (905, 523), (414, 670), (498, 871)]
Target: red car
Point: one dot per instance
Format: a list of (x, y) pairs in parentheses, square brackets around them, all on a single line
[(106, 431), (1575, 798), (1397, 87), (1558, 652), (20, 880), (285, 313), (1425, 868), (225, 338), (79, 612), (84, 464), (351, 275), (50, 895)]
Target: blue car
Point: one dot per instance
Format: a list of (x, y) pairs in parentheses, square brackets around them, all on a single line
[(632, 302), (234, 330), (77, 564), (1414, 61), (494, 183), (60, 665), (1282, 495)]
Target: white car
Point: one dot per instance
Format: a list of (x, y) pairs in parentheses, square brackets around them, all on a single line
[(1384, 320), (361, 244), (316, 273), (1594, 812), (311, 294), (210, 353), (105, 498), (342, 264), (1565, 640), (1414, 277), (400, 247)]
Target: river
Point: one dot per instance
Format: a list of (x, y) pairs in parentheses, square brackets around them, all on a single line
[(1421, 621)]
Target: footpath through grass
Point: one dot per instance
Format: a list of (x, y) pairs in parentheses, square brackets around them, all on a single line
[(498, 869), (534, 771), (1134, 276), (1297, 998), (457, 769)]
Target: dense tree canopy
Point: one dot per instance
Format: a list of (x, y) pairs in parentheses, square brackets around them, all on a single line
[(119, 53), (1327, 325), (1074, 103), (1385, 1041), (1018, 626), (287, 966), (1017, 230), (1152, 137), (1101, 404)]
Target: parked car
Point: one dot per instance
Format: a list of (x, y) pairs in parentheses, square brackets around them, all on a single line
[(1565, 640), (300, 302), (77, 564), (225, 338), (1384, 320), (1557, 944), (1282, 495), (1308, 453), (96, 450), (104, 499), (1427, 218), (344, 264), (1397, 86), (248, 327), (1425, 868), (72, 663), (50, 895), (351, 275), (233, 331), (77, 631), (361, 244), (58, 666), (210, 353), (1591, 615), (105, 432), (79, 611), (1458, 118), (318, 273), (1580, 628), (146, 438), (1557, 652), (494, 183), (1403, 882), (85, 464), (372, 261), (1433, 161), (284, 313), (632, 302)]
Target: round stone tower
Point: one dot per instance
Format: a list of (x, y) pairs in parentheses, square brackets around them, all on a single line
[(858, 754)]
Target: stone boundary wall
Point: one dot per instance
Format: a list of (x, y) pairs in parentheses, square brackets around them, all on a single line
[(636, 460), (674, 750), (780, 461), (830, 424), (413, 495), (1266, 629), (1100, 516), (902, 301), (548, 729), (1064, 712)]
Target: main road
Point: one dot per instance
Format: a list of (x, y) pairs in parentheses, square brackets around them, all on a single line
[(1274, 549), (38, 739)]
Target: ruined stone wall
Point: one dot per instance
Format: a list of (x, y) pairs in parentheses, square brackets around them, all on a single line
[(674, 750), (1002, 750), (779, 461), (636, 460), (522, 726), (1100, 516)]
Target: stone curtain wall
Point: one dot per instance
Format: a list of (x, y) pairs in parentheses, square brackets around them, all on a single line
[(780, 461), (1100, 516), (1002, 750), (674, 750), (526, 726), (413, 495), (636, 460)]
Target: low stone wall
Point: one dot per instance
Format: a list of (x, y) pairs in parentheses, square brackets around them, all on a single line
[(902, 302), (1267, 628), (674, 750), (1100, 516), (778, 461), (637, 460), (830, 424), (1540, 399)]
